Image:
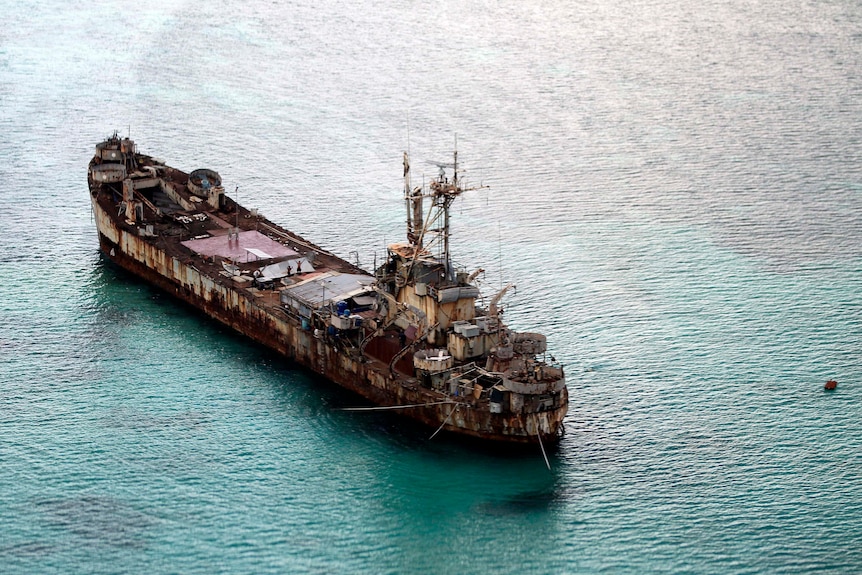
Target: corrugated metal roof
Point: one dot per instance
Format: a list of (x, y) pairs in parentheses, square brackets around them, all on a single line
[(279, 269), (260, 254), (325, 288)]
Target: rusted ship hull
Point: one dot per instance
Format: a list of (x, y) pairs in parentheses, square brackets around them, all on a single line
[(257, 315)]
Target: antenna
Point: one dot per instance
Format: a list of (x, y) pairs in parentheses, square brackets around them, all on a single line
[(500, 252), (455, 160)]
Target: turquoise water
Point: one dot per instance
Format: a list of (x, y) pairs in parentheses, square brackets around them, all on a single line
[(674, 189)]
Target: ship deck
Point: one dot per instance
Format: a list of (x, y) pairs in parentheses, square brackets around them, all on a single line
[(282, 291), (206, 236)]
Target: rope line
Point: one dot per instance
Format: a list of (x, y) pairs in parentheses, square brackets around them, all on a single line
[(394, 406), (445, 421), (539, 435)]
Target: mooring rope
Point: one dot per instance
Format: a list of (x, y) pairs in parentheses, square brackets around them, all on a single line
[(539, 435), (395, 406), (445, 421)]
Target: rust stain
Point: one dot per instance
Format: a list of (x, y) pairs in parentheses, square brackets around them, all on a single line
[(499, 389)]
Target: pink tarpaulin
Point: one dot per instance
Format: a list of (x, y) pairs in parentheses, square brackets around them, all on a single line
[(247, 247)]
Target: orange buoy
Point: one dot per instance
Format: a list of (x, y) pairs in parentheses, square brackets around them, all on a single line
[(830, 385)]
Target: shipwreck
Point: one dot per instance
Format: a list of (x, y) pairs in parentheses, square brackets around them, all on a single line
[(414, 335)]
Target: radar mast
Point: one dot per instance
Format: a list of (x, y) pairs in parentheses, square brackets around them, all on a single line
[(434, 230)]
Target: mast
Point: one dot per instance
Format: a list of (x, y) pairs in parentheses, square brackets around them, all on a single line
[(426, 230), (456, 189), (407, 195), (444, 193), (413, 200)]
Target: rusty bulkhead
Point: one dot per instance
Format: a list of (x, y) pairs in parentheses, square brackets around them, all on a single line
[(410, 336)]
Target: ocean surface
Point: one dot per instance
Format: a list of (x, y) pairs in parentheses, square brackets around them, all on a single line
[(674, 187)]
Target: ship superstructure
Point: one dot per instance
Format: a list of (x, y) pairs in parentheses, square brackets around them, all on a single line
[(410, 336)]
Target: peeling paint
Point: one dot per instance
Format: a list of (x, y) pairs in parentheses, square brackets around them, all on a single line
[(158, 257)]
